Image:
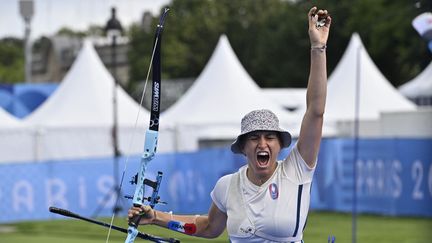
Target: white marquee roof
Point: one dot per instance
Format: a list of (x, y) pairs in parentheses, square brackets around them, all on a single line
[(289, 98), (376, 93), (420, 85), (223, 93), (85, 97), (7, 120)]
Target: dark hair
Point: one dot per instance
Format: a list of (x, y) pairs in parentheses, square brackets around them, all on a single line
[(279, 136), (242, 139)]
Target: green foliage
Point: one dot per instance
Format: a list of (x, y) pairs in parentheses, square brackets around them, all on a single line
[(387, 33), (270, 38), (72, 33), (385, 29), (191, 32), (11, 60)]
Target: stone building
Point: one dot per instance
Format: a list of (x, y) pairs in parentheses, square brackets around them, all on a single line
[(54, 58)]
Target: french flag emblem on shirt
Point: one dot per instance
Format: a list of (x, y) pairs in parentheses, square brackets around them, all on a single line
[(274, 191)]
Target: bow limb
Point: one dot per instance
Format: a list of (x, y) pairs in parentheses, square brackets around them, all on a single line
[(151, 137), (150, 146)]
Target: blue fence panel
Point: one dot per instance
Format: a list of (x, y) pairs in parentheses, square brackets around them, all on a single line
[(394, 177), (87, 187)]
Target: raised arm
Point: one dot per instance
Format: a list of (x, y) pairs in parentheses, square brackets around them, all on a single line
[(311, 127)]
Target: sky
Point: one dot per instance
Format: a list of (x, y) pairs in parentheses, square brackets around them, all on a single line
[(51, 15)]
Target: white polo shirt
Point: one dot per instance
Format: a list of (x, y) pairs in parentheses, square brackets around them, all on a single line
[(273, 212)]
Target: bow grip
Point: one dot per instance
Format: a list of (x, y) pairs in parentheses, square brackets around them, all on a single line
[(134, 222)]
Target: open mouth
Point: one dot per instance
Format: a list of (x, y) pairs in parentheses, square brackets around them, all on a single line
[(263, 158)]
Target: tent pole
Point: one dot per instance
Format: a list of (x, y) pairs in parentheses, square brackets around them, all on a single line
[(356, 145)]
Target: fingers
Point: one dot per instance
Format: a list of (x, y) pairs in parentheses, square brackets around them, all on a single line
[(328, 21), (146, 213), (318, 18), (134, 211), (146, 210), (312, 12), (324, 17)]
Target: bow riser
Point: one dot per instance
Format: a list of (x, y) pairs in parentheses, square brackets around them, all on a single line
[(149, 153), (150, 146)]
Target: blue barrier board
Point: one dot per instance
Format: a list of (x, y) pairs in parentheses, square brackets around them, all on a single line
[(394, 177)]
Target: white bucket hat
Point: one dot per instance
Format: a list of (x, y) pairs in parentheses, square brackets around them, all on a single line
[(260, 120)]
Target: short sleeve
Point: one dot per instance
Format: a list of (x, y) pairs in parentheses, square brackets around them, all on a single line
[(296, 169), (219, 194)]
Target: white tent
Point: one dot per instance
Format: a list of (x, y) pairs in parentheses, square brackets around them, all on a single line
[(76, 120), (7, 120), (376, 93), (420, 85), (289, 98), (214, 105), (16, 140)]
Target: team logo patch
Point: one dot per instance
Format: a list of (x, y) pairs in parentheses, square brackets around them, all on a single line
[(274, 191)]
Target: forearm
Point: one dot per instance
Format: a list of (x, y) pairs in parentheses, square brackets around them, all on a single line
[(180, 223), (162, 218), (200, 224), (317, 84)]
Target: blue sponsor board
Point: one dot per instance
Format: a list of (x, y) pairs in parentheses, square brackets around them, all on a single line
[(394, 177), (87, 187)]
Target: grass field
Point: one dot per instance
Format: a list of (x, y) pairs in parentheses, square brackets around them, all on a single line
[(320, 225)]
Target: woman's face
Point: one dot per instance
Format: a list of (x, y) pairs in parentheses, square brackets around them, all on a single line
[(261, 149)]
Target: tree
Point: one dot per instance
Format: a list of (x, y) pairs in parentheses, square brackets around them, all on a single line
[(191, 32), (11, 60), (385, 29), (270, 38), (193, 29), (71, 33)]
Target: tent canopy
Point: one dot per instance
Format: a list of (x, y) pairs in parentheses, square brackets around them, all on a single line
[(212, 108), (289, 98), (420, 85), (85, 97), (376, 93), (76, 121), (7, 120), (223, 93)]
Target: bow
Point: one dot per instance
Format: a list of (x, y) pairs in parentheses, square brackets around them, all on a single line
[(140, 235), (151, 138), (150, 145)]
